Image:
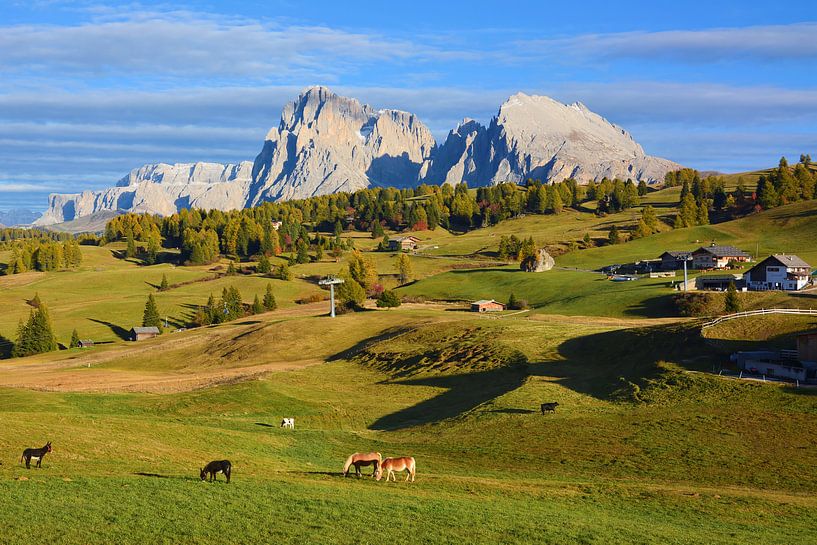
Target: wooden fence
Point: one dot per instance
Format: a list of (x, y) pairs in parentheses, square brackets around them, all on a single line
[(716, 321)]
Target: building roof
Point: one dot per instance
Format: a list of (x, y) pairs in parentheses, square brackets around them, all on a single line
[(151, 329), (408, 237), (721, 251), (676, 254), (789, 260), (486, 302)]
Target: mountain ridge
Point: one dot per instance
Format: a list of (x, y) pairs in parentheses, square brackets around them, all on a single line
[(327, 143)]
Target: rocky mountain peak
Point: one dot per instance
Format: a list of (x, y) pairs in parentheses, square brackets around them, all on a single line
[(326, 143)]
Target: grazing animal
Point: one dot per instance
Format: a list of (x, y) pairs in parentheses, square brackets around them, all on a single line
[(360, 459), (214, 467), (549, 407), (397, 464), (288, 423), (36, 453)]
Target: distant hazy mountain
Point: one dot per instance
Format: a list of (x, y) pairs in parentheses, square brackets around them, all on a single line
[(325, 143), (17, 216)]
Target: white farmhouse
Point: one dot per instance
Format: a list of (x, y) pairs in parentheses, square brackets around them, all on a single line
[(778, 272)]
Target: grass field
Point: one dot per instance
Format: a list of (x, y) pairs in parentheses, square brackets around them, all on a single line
[(788, 229), (647, 446), (688, 459)]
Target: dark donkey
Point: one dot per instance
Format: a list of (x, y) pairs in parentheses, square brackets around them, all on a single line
[(36, 453), (216, 466), (549, 407)]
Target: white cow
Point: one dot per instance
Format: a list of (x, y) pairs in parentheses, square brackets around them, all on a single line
[(288, 423)]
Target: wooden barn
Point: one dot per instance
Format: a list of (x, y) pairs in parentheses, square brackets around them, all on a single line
[(404, 244), (142, 333), (717, 257), (487, 305)]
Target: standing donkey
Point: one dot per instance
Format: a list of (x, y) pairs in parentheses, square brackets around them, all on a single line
[(36, 453)]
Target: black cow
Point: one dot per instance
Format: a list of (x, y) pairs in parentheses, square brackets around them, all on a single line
[(549, 407), (216, 466)]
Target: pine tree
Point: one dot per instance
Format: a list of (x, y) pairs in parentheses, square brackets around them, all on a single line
[(41, 332), (233, 306), (732, 301), (702, 217), (269, 298), (257, 307), (151, 317), (350, 294), (74, 339), (388, 299), (613, 237), (284, 272), (513, 302), (36, 302), (264, 265), (404, 268), (164, 285), (211, 311), (588, 241), (231, 269), (130, 250)]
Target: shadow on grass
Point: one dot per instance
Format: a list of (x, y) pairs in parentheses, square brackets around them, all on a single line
[(160, 476), (463, 393), (598, 365), (325, 473), (661, 306), (265, 425), (365, 343), (6, 347), (119, 331)]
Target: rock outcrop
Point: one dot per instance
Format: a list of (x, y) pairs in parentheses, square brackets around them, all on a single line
[(326, 143), (538, 137)]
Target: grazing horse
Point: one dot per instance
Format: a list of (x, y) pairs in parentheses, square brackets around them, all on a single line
[(397, 464), (36, 453), (288, 423), (359, 459), (549, 407), (214, 467)]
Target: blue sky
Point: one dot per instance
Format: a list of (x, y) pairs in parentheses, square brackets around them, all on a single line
[(90, 90)]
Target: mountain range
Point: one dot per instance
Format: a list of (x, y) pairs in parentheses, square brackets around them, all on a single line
[(326, 143)]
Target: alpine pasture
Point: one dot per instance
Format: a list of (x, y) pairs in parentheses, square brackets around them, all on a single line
[(647, 445)]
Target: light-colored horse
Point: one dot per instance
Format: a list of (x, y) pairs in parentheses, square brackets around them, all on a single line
[(288, 423), (397, 464), (360, 459)]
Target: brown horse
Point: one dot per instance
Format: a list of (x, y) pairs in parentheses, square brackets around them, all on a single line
[(396, 464), (359, 459)]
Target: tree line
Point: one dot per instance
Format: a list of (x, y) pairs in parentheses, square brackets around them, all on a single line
[(296, 226)]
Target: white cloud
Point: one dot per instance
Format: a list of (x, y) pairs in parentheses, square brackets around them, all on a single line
[(764, 43), (187, 44)]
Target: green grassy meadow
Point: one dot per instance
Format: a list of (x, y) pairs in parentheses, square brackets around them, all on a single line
[(690, 458)]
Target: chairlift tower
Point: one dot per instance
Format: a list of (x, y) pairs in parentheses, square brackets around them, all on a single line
[(331, 281)]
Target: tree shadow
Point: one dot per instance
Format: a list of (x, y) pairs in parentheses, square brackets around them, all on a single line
[(119, 331), (660, 306), (265, 425), (513, 411), (6, 347), (597, 365), (365, 343), (463, 393)]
